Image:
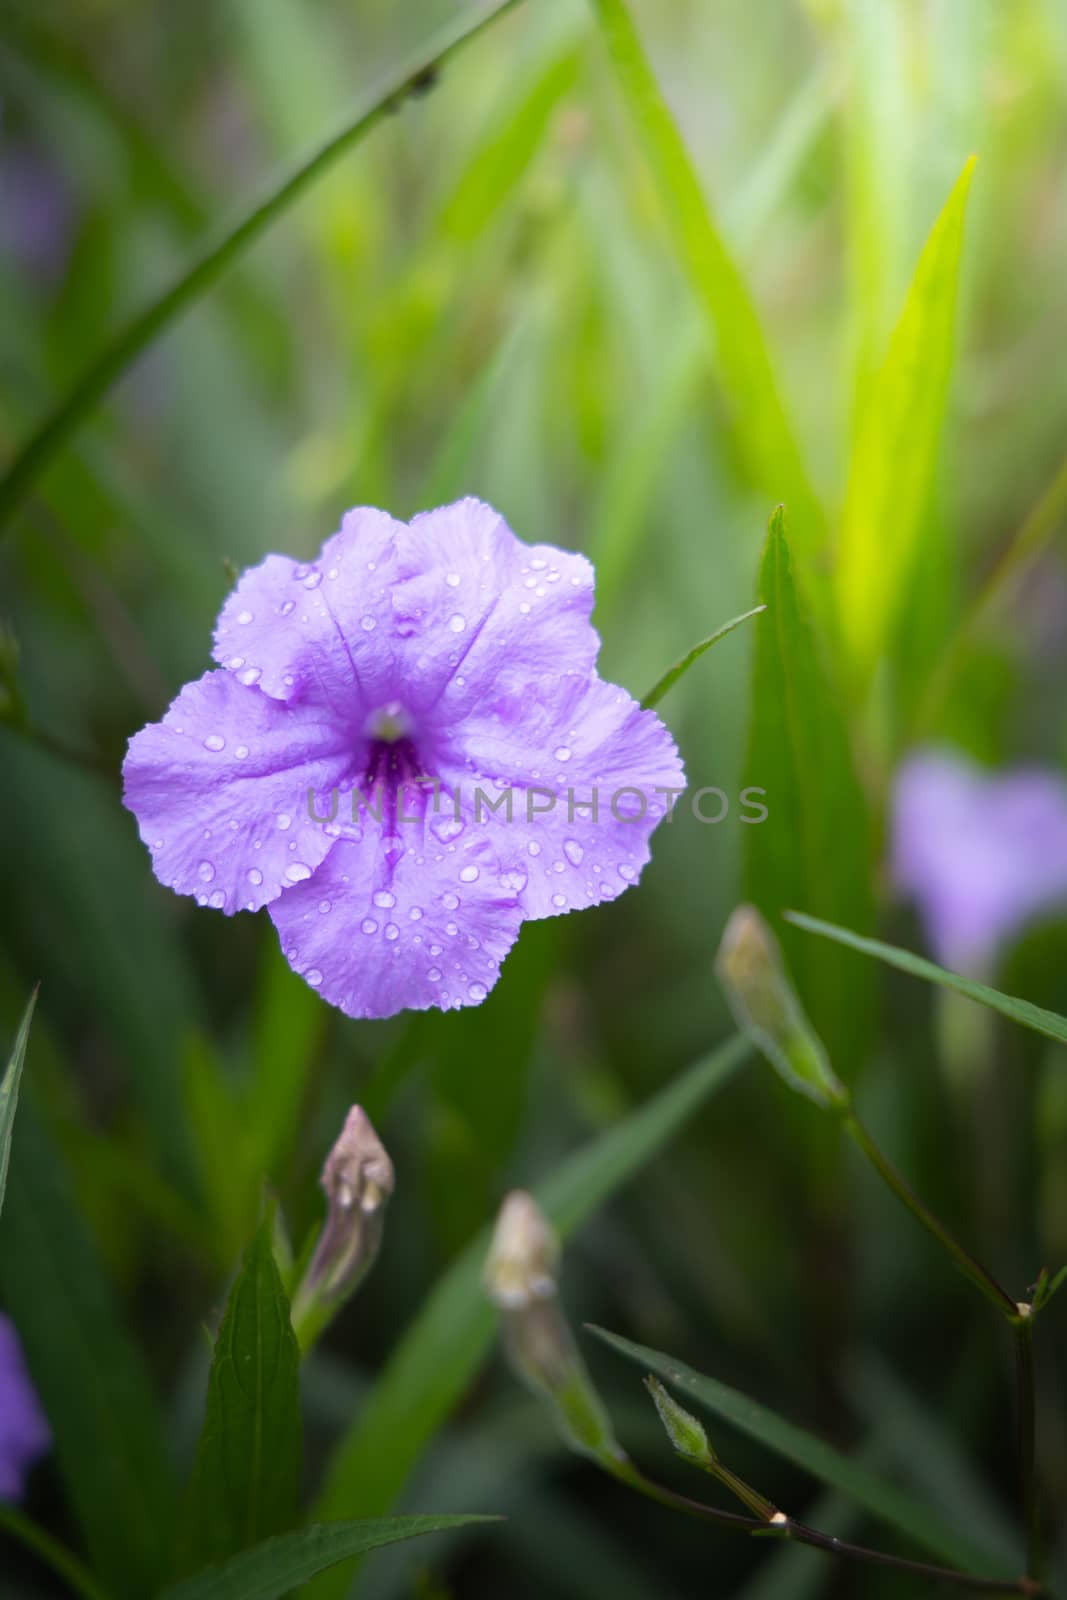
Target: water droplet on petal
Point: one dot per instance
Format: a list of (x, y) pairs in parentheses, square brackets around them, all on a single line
[(368, 624), (296, 872), (435, 949), (559, 900), (214, 741), (562, 752), (391, 931), (573, 851), (206, 871), (241, 752), (627, 872), (434, 974), (313, 976), (313, 579), (369, 925), (415, 913), (450, 901), (452, 579), (457, 623), (324, 906), (477, 992), (218, 900), (244, 618), (235, 662), (514, 879), (284, 820), (384, 899), (251, 676), (286, 606), (534, 848), (255, 876), (468, 874)]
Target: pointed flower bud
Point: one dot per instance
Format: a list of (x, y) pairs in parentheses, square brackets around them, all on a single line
[(520, 1280), (357, 1179), (682, 1428), (766, 1006)]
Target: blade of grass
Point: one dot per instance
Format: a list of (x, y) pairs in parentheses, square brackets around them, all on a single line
[(670, 678), (98, 1399), (846, 1474), (9, 1090), (434, 1362), (272, 1568), (891, 476), (1021, 1011), (763, 428), (128, 343)]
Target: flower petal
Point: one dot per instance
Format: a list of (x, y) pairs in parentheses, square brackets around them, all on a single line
[(557, 747), (319, 629), (476, 607), (219, 789), (375, 937)]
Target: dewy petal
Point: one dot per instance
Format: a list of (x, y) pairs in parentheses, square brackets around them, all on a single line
[(477, 609), (320, 629), (374, 936), (555, 746), (219, 789)]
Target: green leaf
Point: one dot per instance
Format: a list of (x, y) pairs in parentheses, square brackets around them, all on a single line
[(891, 476), (763, 429), (1021, 1011), (670, 678), (814, 846), (272, 1568), (884, 1500), (9, 1090), (128, 343), (246, 1478), (94, 1390), (442, 1350)]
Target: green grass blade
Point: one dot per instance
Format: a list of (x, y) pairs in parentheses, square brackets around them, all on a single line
[(9, 1090), (891, 476), (1021, 1011), (814, 846), (670, 678), (108, 1434), (277, 1565), (246, 1478), (765, 434), (884, 1500), (436, 1359), (128, 343)]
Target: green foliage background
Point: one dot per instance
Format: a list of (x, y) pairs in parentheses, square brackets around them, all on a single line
[(516, 286)]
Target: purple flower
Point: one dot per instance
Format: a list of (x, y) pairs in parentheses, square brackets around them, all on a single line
[(24, 1433), (434, 686), (981, 854)]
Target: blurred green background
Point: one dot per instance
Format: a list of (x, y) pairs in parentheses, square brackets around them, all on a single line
[(483, 299)]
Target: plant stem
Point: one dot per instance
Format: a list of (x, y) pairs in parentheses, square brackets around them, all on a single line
[(1024, 1372), (983, 1281), (52, 1552), (784, 1527)]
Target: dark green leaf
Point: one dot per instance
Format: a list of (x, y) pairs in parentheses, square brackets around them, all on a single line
[(884, 1500), (670, 678), (9, 1091), (123, 349), (97, 1397), (273, 1568), (1021, 1011), (246, 1477), (443, 1349), (814, 846)]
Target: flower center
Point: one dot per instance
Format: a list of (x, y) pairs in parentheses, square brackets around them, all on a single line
[(388, 724)]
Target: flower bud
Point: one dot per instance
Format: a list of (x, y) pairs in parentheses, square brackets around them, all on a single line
[(765, 1004), (357, 1179), (682, 1428), (520, 1280)]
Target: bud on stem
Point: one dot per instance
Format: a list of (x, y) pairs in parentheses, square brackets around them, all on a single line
[(766, 1006), (357, 1179), (690, 1441), (520, 1280)]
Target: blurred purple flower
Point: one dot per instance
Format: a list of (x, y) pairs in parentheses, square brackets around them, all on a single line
[(24, 1433), (37, 216), (981, 854), (442, 650)]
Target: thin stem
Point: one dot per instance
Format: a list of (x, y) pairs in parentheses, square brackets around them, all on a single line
[(783, 1527), (57, 1556), (983, 1281), (1024, 1372)]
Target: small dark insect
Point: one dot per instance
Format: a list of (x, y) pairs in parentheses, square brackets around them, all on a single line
[(424, 81)]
